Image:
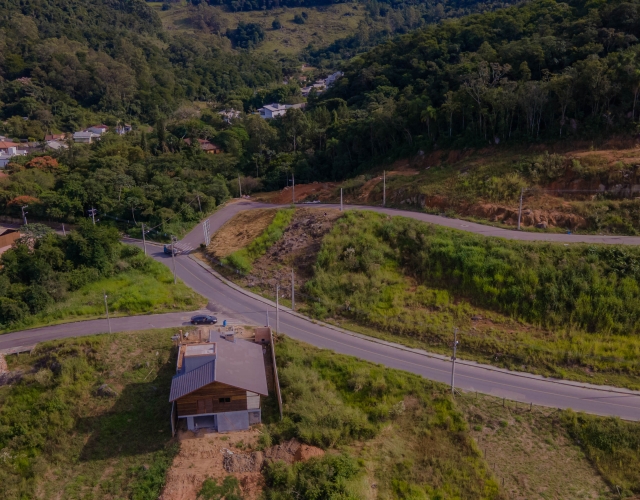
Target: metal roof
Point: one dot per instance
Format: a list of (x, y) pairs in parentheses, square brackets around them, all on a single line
[(181, 385), (239, 364)]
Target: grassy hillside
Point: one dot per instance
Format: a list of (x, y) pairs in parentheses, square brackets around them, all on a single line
[(566, 311), (323, 26), (48, 278), (63, 432)]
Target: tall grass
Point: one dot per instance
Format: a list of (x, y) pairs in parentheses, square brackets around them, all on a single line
[(338, 402), (612, 445), (419, 280), (140, 286), (243, 259), (59, 437)]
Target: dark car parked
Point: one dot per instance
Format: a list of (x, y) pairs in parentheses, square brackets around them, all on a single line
[(203, 319)]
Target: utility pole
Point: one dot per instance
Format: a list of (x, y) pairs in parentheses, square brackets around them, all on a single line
[(277, 307), (24, 214), (173, 258), (144, 241), (106, 308), (341, 199), (293, 292), (239, 186), (205, 229), (520, 209), (92, 213), (267, 318), (384, 188), (453, 359), (293, 188), (64, 233), (199, 205)]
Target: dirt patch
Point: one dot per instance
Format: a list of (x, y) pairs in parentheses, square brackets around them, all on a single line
[(239, 231), (530, 218), (219, 455), (204, 456), (316, 191), (297, 249), (3, 364)]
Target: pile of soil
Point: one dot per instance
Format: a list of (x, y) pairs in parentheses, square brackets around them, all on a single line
[(297, 249), (239, 231), (203, 456), (290, 452)]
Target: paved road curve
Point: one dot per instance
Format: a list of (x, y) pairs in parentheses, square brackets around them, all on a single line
[(228, 300), (195, 237)]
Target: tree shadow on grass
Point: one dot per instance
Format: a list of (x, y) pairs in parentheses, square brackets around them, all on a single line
[(138, 423)]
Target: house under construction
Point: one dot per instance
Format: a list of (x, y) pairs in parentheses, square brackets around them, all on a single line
[(219, 382)]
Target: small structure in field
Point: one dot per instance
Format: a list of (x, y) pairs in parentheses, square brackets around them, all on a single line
[(218, 384)]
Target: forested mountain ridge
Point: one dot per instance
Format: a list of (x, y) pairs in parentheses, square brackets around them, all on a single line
[(59, 59), (79, 20), (539, 71)]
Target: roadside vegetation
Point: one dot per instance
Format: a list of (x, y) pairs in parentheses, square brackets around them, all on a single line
[(562, 310), (89, 417), (341, 403), (47, 278), (243, 259)]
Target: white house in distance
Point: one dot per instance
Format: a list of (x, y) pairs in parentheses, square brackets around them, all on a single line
[(8, 153), (98, 129), (321, 85), (270, 111)]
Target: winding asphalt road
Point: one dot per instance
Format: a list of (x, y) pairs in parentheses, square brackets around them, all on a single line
[(230, 301)]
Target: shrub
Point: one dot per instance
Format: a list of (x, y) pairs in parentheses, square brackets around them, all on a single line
[(228, 490), (325, 477)]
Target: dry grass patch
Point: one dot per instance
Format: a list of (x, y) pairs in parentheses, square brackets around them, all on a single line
[(531, 452)]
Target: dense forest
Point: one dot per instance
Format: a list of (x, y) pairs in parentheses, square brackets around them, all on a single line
[(541, 71), (60, 59), (544, 70)]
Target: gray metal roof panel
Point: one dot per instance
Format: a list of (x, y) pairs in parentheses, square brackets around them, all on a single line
[(181, 385), (241, 364)]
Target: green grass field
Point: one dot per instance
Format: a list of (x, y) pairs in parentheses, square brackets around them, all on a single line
[(130, 292), (387, 432), (59, 437), (324, 25)]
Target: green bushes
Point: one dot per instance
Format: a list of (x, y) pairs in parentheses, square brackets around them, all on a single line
[(340, 402), (399, 277), (56, 279), (243, 258), (228, 490), (591, 287), (612, 445), (326, 477)]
